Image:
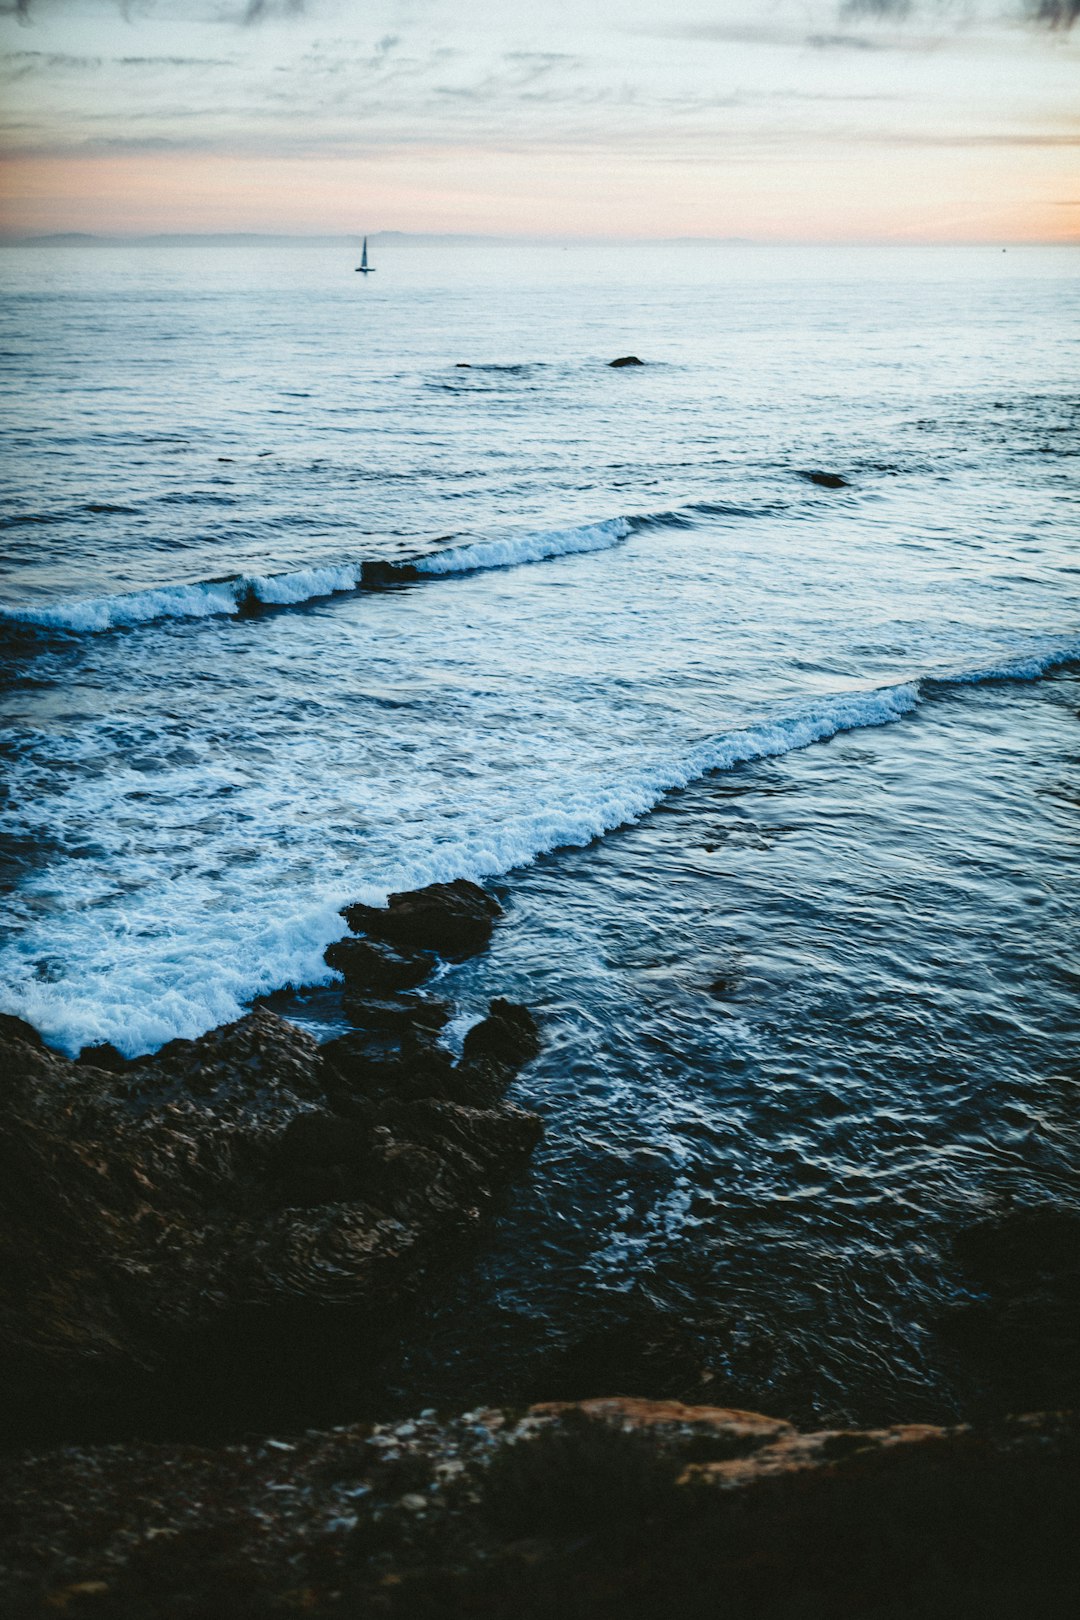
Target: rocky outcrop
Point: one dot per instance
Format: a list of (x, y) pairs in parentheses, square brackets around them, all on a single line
[(226, 1198), (610, 1508), (368, 965), (626, 360), (453, 919)]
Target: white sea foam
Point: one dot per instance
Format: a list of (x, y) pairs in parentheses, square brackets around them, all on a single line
[(164, 933), (307, 584), (525, 548), (189, 962), (97, 613), (288, 589)]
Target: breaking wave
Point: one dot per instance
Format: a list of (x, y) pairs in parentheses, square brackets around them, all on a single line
[(245, 593), (200, 976)]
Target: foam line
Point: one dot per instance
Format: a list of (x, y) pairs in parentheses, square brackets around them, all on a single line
[(525, 548), (191, 980), (209, 598)]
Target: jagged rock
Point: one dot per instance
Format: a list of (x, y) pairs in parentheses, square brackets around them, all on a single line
[(507, 1036), (103, 1055), (825, 480), (368, 964), (626, 360), (420, 1067), (17, 1029), (612, 1509), (209, 1194), (319, 1138), (454, 919)]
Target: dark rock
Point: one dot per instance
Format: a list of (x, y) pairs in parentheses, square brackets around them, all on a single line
[(368, 964), (316, 1138), (825, 480), (305, 1185), (626, 360), (378, 575), (508, 1036), (103, 1056), (608, 1509), (463, 365), (174, 1237), (454, 919), (399, 1016), (17, 1029), (418, 1067)]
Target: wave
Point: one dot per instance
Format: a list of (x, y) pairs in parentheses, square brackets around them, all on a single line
[(189, 983), (234, 594), (245, 593), (525, 548)]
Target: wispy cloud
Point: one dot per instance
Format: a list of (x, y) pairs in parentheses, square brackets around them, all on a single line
[(821, 89)]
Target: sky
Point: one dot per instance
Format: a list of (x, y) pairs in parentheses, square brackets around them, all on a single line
[(775, 120)]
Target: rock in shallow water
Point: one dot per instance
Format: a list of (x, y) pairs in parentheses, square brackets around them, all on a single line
[(368, 964), (508, 1035), (146, 1214), (455, 919)]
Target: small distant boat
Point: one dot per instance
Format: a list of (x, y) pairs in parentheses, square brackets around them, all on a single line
[(363, 268)]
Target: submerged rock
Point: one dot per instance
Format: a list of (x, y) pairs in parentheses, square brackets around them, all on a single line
[(455, 919), (613, 1509), (825, 480), (212, 1204), (626, 360)]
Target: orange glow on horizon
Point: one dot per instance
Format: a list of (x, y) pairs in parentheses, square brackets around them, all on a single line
[(869, 193)]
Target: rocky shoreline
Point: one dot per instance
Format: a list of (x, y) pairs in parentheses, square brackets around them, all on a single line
[(193, 1242), (601, 1508), (184, 1233)]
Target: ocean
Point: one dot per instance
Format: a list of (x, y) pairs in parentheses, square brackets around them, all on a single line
[(773, 772)]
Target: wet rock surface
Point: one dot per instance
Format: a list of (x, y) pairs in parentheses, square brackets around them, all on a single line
[(453, 919), (626, 360), (368, 965), (196, 1227), (612, 1507)]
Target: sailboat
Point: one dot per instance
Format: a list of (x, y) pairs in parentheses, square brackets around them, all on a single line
[(363, 268)]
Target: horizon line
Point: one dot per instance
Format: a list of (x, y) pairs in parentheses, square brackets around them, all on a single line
[(58, 238)]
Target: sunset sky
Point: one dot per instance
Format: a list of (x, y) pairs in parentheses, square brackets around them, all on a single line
[(837, 120)]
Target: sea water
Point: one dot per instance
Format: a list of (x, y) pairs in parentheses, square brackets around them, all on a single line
[(773, 776)]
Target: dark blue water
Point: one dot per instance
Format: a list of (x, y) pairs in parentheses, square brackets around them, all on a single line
[(774, 777)]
